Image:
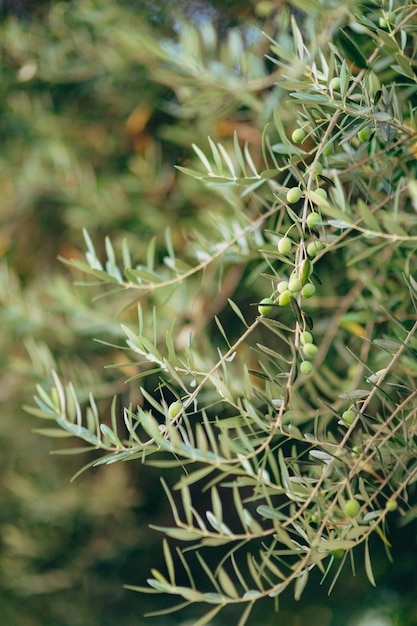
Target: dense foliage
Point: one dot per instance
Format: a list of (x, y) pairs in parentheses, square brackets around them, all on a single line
[(243, 325)]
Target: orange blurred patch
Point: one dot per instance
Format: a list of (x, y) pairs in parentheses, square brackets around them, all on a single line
[(69, 252), (136, 129), (138, 119), (245, 132), (5, 243)]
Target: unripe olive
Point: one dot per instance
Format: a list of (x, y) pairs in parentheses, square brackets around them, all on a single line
[(174, 409), (387, 19), (284, 245), (308, 290), (310, 350), (352, 507), (391, 505), (306, 337), (317, 168), (356, 450), (314, 247), (314, 219), (264, 8), (306, 269), (335, 83), (264, 307), (285, 298), (294, 284), (337, 553), (348, 417), (293, 195), (364, 134), (306, 367), (321, 192), (298, 135), (327, 150), (282, 286)]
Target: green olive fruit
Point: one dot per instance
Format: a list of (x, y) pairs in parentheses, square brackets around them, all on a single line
[(391, 505), (387, 19), (356, 450), (298, 135), (264, 8), (293, 195), (308, 290), (174, 409), (310, 350), (364, 134), (306, 337), (335, 83), (264, 307), (284, 245), (314, 247), (352, 507), (337, 553), (282, 286), (306, 269), (327, 150), (317, 168), (348, 417), (313, 219), (321, 192), (294, 284), (285, 298), (306, 367)]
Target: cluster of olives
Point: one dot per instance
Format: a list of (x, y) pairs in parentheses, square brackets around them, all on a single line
[(299, 135), (297, 284), (309, 350)]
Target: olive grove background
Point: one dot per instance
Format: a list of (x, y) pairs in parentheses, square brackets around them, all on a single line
[(99, 103)]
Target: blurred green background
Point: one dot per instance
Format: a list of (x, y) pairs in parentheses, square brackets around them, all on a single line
[(92, 122)]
